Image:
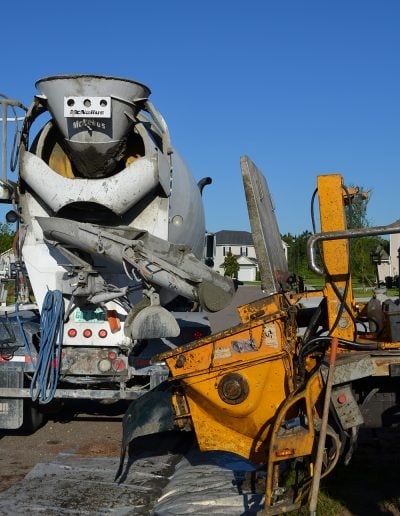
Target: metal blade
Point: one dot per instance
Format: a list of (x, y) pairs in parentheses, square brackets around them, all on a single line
[(267, 239)]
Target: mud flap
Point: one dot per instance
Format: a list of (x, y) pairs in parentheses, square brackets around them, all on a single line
[(152, 413), (11, 409)]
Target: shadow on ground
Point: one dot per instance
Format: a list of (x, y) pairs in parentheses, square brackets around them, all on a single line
[(369, 485)]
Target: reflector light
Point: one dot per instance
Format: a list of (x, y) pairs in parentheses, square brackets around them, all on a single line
[(112, 355), (102, 334), (16, 358), (286, 452), (87, 333), (198, 334), (118, 365), (113, 321), (72, 332)]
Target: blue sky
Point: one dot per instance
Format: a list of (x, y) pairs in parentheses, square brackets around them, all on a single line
[(302, 87)]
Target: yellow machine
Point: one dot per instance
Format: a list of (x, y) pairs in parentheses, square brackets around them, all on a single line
[(273, 389)]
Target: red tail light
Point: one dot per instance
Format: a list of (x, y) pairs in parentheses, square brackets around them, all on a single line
[(118, 365), (87, 333), (190, 334), (72, 332), (103, 334)]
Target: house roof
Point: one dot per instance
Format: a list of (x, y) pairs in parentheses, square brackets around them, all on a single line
[(226, 236), (244, 260), (247, 260)]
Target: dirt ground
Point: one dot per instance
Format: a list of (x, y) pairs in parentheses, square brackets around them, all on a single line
[(86, 429)]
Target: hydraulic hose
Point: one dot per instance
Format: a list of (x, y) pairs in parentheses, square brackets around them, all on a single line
[(47, 370), (27, 344)]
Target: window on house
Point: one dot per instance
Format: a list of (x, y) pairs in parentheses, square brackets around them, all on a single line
[(244, 251), (226, 250)]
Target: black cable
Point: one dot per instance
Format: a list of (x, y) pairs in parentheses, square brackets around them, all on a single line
[(313, 324), (348, 344), (7, 349), (342, 298), (314, 227)]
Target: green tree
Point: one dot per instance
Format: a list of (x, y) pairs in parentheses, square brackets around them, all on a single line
[(297, 252), (6, 237), (362, 269), (360, 248), (356, 209), (230, 266)]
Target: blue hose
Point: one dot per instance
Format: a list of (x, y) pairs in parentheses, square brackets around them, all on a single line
[(47, 369)]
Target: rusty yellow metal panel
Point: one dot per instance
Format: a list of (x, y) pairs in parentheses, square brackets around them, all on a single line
[(260, 308), (240, 427), (234, 383), (335, 253), (254, 341)]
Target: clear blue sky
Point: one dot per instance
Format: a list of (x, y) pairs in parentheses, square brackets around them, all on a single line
[(303, 87)]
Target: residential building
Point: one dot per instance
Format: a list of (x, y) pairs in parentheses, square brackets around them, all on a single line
[(240, 244), (390, 265)]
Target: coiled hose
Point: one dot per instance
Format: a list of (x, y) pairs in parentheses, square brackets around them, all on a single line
[(47, 370)]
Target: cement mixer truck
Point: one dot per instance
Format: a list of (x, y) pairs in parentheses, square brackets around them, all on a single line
[(109, 251)]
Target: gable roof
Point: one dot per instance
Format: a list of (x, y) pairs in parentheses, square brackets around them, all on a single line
[(226, 236), (243, 260), (246, 260)]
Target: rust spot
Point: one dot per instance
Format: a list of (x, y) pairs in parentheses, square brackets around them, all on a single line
[(99, 449)]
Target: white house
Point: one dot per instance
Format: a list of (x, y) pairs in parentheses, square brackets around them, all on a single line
[(240, 244), (390, 267), (394, 254)]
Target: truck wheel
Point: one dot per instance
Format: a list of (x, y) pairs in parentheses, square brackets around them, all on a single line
[(33, 417)]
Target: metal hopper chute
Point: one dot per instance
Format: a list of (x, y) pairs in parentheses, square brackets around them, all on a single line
[(94, 114)]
